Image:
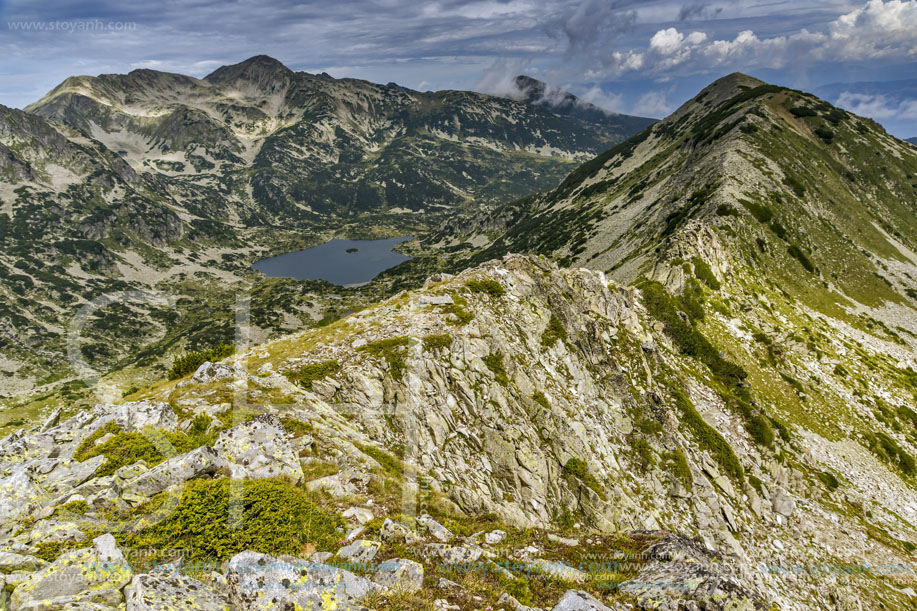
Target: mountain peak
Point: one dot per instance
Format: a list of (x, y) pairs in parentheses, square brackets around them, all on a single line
[(253, 69)]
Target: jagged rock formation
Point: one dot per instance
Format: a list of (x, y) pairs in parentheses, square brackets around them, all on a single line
[(532, 442)]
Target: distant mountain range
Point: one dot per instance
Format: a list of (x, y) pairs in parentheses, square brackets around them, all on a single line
[(151, 179)]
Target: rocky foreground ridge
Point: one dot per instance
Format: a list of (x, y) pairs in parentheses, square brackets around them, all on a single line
[(518, 436)]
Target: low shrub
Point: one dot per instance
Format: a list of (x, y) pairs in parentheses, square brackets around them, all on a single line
[(313, 372), (190, 361), (704, 273), (486, 286), (553, 333), (577, 468), (276, 517), (437, 341), (494, 362), (391, 350)]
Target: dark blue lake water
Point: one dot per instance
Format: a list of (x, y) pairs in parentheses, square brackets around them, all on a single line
[(331, 261)]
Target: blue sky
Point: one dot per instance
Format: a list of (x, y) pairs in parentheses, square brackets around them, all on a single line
[(639, 57)]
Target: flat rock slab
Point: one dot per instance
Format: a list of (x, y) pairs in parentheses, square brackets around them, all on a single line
[(259, 449), (172, 591), (83, 577), (261, 582), (577, 600)]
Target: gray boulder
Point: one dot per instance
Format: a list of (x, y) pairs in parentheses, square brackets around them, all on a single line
[(15, 563), (259, 449), (164, 591), (395, 532), (577, 600), (19, 497), (203, 461), (399, 575), (258, 581), (437, 530), (79, 578), (452, 554), (360, 551), (137, 415)]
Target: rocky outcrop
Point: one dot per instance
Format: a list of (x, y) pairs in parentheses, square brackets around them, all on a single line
[(91, 576), (258, 581), (258, 449), (168, 591)]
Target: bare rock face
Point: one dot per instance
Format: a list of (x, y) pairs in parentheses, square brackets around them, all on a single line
[(135, 415), (259, 449)]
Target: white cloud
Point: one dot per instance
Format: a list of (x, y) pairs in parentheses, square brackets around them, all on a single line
[(878, 29), (652, 104), (609, 101), (878, 106)]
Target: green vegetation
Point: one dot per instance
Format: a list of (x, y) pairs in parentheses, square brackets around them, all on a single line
[(887, 449), (437, 341), (577, 468), (795, 184), (494, 362), (486, 286), (829, 480), (457, 309), (708, 437), (726, 210), (825, 134), (689, 340), (795, 252), (276, 517), (392, 350), (553, 333), (540, 398), (307, 374), (151, 445), (703, 273), (677, 463), (190, 361), (643, 454), (803, 111), (762, 213)]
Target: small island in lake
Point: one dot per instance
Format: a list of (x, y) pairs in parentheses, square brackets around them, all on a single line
[(352, 250)]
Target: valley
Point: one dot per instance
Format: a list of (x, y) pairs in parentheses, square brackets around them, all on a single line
[(657, 365)]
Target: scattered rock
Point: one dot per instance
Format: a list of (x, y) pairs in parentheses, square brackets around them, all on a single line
[(568, 541), (494, 537), (361, 551), (577, 600), (360, 515), (399, 575), (437, 530), (434, 300), (395, 532)]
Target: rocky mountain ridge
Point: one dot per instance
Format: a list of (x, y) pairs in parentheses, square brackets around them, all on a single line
[(563, 447)]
